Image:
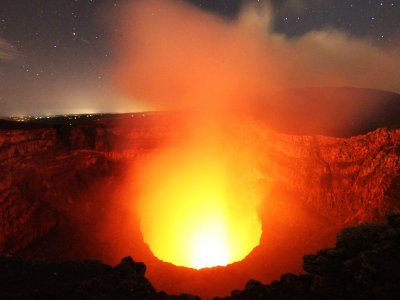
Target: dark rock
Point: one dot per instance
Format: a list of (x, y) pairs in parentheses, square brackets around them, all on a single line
[(318, 264), (360, 237), (289, 279), (21, 279), (393, 219), (235, 293), (253, 284), (185, 296), (372, 271), (128, 266)]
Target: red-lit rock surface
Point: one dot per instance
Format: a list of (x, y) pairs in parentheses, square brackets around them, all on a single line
[(45, 172), (346, 179)]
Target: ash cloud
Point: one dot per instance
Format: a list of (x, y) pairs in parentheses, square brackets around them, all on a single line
[(172, 55)]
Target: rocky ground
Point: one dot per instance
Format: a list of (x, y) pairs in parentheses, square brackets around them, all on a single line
[(21, 279), (363, 265)]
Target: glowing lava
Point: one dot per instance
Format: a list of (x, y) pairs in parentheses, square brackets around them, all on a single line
[(198, 206)]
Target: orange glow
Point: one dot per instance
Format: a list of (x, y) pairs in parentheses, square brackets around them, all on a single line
[(198, 205)]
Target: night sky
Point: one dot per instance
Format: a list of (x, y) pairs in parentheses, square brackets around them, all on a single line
[(54, 55)]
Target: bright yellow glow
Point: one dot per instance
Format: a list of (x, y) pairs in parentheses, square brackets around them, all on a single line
[(198, 206)]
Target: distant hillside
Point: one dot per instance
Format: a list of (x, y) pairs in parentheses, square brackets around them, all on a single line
[(339, 111), (331, 111)]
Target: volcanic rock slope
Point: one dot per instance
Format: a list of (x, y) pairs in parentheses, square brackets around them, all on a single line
[(46, 171)]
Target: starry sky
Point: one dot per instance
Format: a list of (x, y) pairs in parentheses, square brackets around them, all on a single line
[(54, 55)]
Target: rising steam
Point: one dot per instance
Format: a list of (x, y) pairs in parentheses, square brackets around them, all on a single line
[(172, 55)]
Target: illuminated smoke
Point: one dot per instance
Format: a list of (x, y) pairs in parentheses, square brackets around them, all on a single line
[(172, 55), (198, 198)]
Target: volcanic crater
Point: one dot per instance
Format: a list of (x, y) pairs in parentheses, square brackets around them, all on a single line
[(69, 188)]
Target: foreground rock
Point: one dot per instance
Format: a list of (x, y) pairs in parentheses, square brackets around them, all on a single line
[(20, 279), (364, 264)]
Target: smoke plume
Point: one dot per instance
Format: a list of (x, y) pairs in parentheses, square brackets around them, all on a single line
[(172, 55)]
